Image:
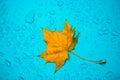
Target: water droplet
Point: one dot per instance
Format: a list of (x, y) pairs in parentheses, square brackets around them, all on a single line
[(30, 17), (96, 21), (113, 39), (60, 3), (52, 12), (18, 60), (103, 31), (8, 63), (20, 78), (17, 28), (71, 4), (108, 21), (27, 56), (115, 33)]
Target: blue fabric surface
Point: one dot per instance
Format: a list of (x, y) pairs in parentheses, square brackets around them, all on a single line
[(21, 38)]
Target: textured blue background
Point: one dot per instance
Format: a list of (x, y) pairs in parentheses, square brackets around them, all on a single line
[(21, 38)]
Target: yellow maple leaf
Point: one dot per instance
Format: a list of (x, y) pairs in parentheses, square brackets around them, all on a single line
[(59, 44)]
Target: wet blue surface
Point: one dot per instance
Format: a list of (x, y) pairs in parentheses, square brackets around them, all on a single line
[(21, 38)]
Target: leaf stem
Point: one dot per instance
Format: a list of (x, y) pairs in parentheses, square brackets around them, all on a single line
[(96, 62)]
